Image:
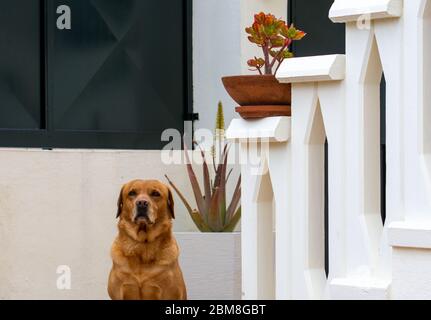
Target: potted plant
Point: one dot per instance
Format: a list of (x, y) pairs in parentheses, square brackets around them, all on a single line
[(262, 95), (213, 255), (213, 213)]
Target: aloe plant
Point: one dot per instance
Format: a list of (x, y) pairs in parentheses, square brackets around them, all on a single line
[(213, 214)]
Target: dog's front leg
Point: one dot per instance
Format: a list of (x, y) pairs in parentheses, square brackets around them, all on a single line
[(151, 292), (130, 291)]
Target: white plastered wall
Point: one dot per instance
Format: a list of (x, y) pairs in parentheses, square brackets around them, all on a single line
[(58, 208), (216, 53)]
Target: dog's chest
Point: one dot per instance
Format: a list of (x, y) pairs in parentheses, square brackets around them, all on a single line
[(143, 267)]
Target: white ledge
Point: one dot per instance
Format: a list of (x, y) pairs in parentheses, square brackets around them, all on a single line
[(312, 69), (410, 235), (275, 129), (360, 289), (357, 10)]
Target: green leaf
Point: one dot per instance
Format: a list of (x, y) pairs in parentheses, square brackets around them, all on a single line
[(287, 54), (277, 42), (199, 222), (232, 225), (194, 214)]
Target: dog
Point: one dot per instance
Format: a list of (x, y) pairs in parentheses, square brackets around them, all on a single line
[(145, 252)]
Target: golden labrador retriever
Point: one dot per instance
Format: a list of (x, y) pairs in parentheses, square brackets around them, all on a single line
[(145, 252)]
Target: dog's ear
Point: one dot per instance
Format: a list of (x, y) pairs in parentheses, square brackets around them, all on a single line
[(171, 204), (120, 203)]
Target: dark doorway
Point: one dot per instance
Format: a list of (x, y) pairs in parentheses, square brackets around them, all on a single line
[(323, 36), (20, 65), (117, 78)]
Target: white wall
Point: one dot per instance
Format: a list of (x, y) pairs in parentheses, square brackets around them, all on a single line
[(216, 53), (58, 208)]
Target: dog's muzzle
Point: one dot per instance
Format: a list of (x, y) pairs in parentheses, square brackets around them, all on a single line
[(142, 208)]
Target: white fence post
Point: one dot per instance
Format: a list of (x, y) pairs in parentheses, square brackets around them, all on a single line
[(372, 47), (367, 258), (409, 237), (317, 114), (265, 162)]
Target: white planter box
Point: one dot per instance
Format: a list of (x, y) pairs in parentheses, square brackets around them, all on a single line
[(211, 264)]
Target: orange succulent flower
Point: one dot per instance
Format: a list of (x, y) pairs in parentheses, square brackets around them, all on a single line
[(274, 36)]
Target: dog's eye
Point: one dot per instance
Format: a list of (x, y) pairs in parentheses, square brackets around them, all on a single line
[(155, 194), (132, 193)]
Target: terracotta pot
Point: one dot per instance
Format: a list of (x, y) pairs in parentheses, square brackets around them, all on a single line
[(259, 96), (258, 112)]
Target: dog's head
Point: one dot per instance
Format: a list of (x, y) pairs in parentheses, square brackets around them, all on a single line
[(145, 202)]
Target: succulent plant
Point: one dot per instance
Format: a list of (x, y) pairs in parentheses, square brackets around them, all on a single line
[(213, 214), (274, 36)]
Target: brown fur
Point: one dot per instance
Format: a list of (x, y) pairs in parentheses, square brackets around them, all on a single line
[(145, 252)]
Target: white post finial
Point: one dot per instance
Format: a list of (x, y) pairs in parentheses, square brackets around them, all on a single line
[(343, 11)]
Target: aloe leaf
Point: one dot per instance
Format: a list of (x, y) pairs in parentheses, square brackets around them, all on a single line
[(219, 170), (183, 199), (199, 222), (222, 195), (194, 214), (214, 220), (232, 224), (207, 183), (228, 175), (200, 201), (217, 178), (236, 198), (213, 158)]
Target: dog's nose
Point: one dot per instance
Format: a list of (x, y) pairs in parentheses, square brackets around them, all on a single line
[(142, 204)]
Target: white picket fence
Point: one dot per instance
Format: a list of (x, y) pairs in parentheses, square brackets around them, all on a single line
[(338, 97)]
